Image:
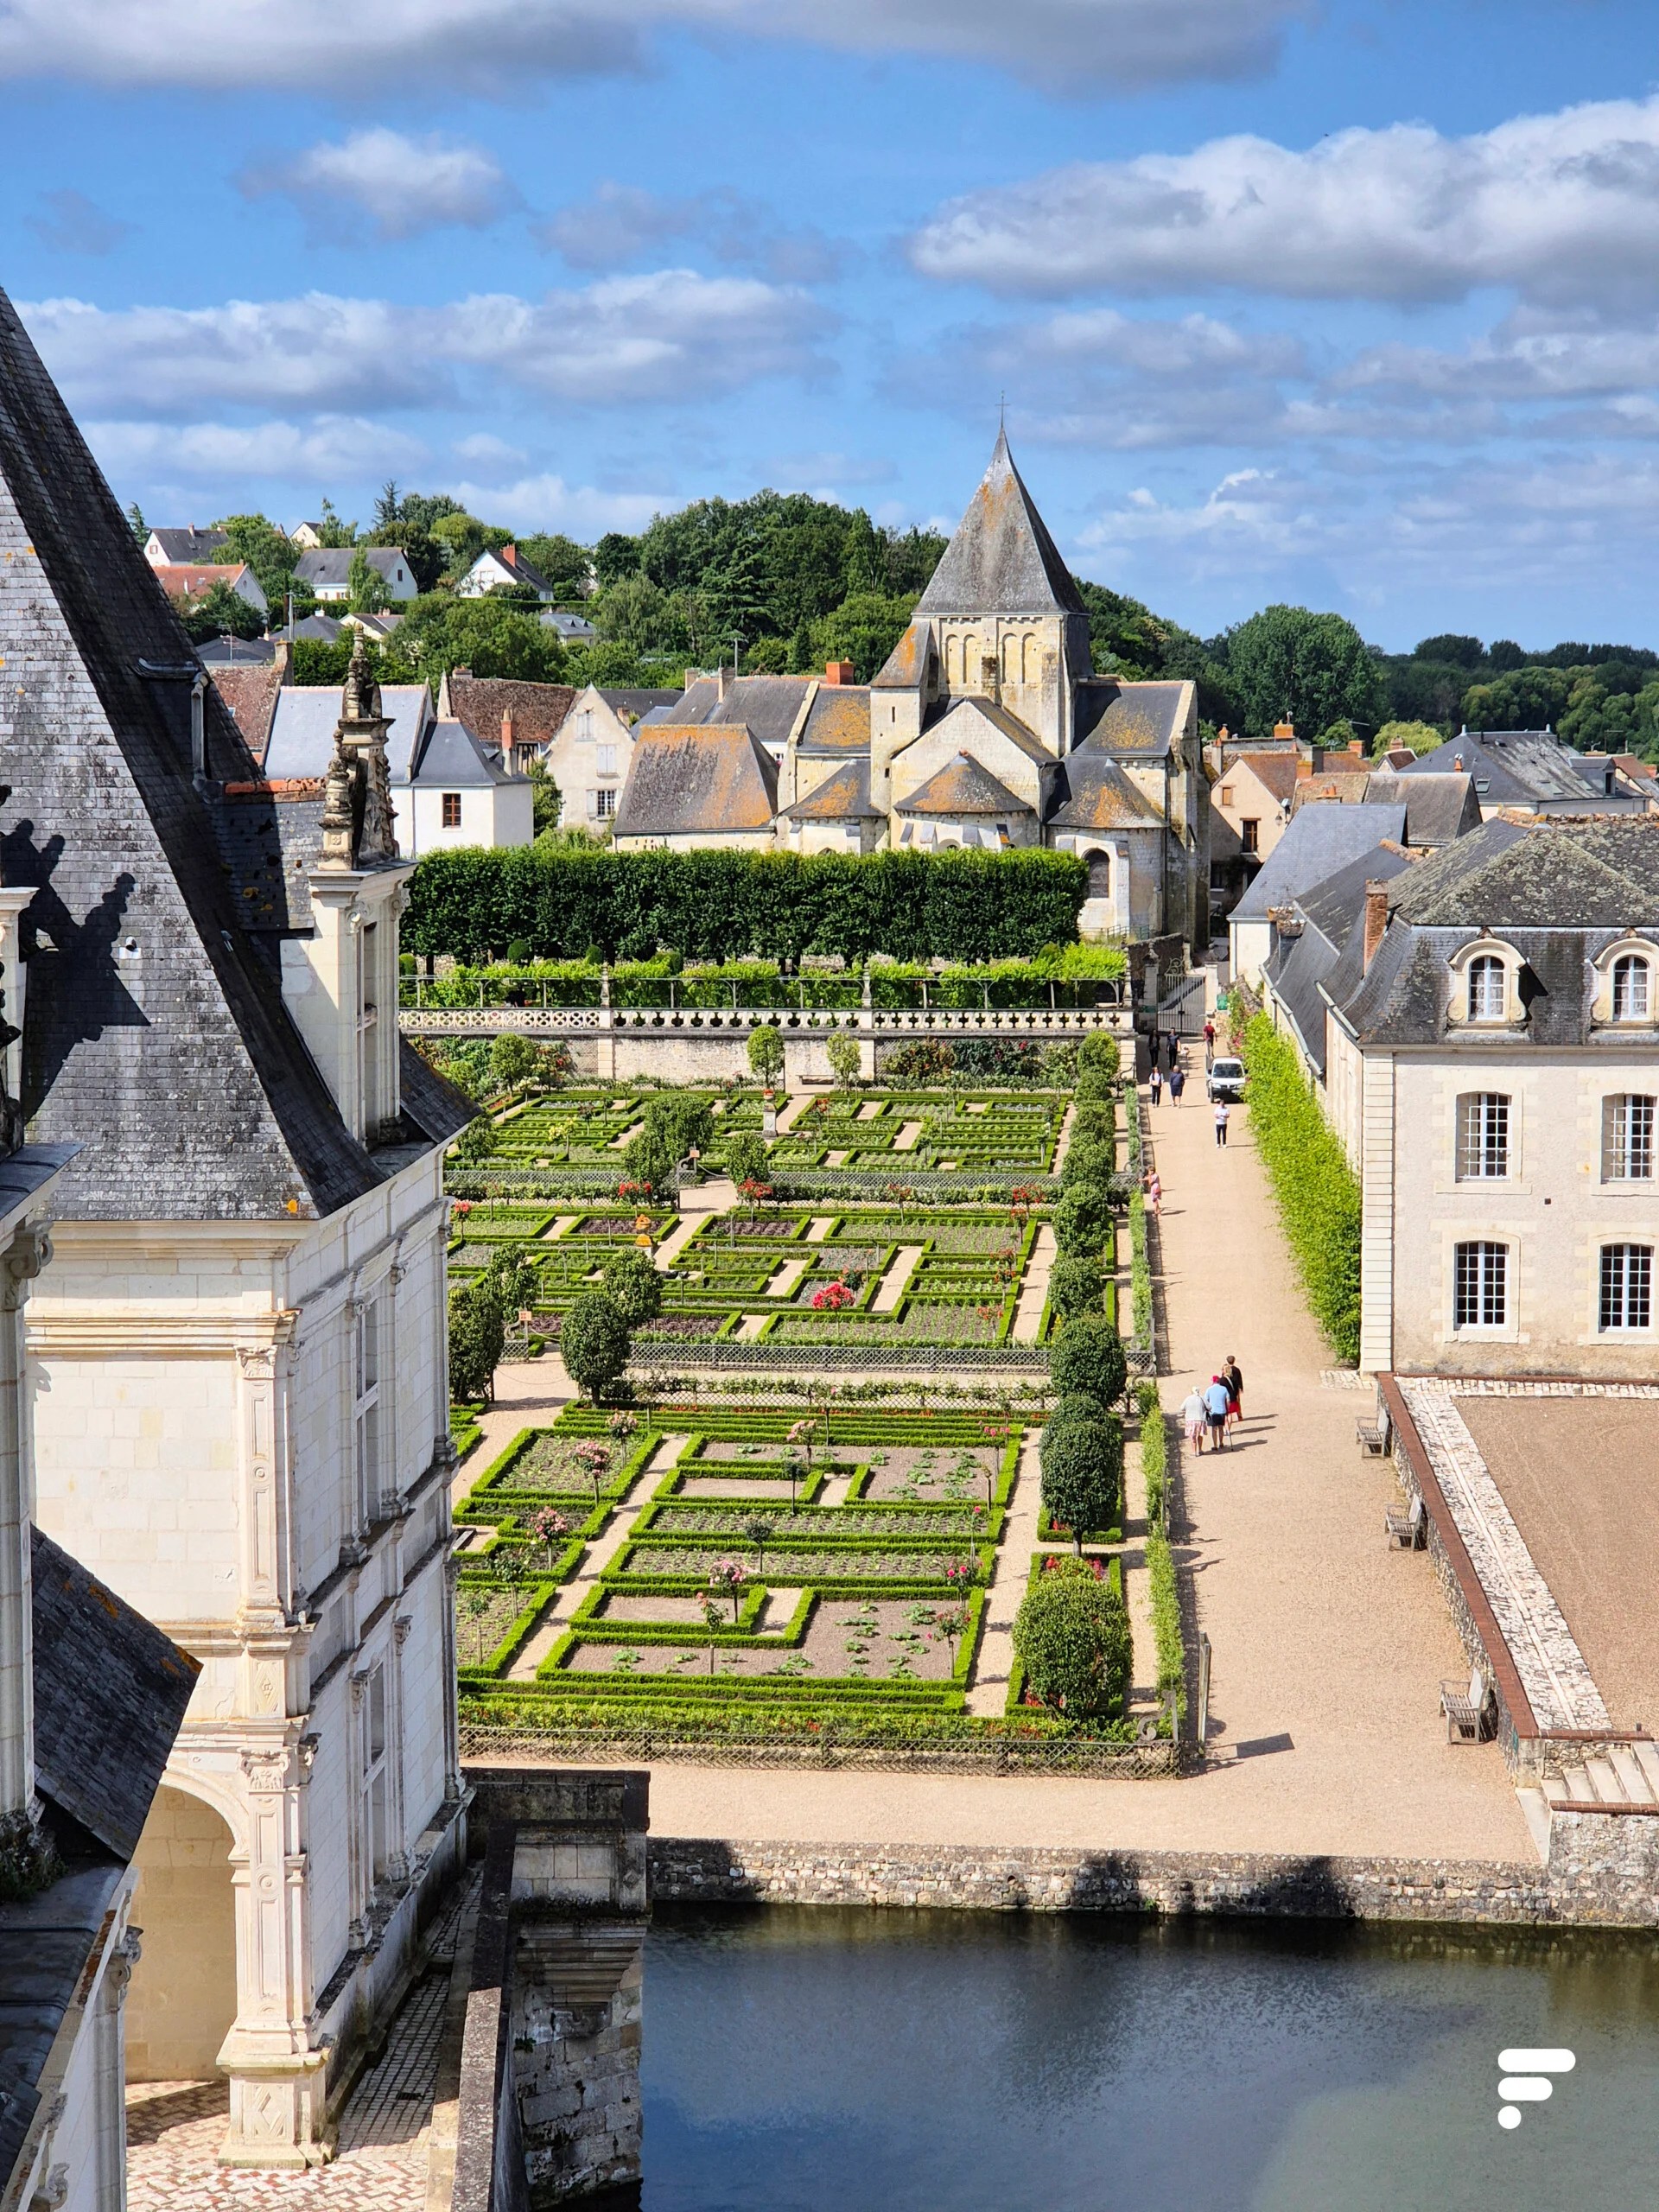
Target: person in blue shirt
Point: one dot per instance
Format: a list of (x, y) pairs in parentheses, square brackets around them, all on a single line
[(1216, 1400)]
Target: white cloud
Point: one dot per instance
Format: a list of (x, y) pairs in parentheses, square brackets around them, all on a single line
[(482, 448), (497, 47), (401, 186), (622, 222), (318, 452), (69, 222), (1564, 209), (547, 502), (671, 335)]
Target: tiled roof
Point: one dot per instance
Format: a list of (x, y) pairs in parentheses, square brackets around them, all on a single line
[(249, 689), (1126, 717), (702, 779), (188, 580), (1274, 772), (538, 710), (1002, 560), (839, 719), (157, 1036), (963, 786), (843, 797)]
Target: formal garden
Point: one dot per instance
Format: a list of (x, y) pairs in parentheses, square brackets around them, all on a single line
[(800, 1551)]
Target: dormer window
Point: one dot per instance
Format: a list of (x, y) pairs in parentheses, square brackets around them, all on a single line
[(1487, 990), (1632, 988)]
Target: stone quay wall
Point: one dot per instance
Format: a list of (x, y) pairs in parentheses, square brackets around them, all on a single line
[(1581, 1892)]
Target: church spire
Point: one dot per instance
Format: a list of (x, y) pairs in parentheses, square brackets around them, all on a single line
[(1002, 560)]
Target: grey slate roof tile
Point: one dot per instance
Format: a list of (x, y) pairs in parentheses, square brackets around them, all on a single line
[(1316, 844), (1002, 560)]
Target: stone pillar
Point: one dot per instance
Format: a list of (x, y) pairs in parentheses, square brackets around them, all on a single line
[(278, 2077), (28, 1252), (109, 2062), (266, 1578), (866, 1033), (607, 1048)]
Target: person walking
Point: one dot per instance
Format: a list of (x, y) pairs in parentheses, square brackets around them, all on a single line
[(1177, 1081), (1194, 1418), (1216, 1400), (1208, 1044), (1154, 1192), (1233, 1378), (1224, 1113), (1157, 1084)]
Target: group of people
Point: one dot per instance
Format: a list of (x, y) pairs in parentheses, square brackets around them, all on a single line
[(1177, 1081), (1208, 1412)]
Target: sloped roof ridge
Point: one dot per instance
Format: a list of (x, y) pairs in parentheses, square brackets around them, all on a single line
[(1001, 559)]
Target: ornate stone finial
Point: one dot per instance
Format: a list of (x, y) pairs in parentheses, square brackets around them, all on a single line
[(338, 809), (361, 701), (357, 815)]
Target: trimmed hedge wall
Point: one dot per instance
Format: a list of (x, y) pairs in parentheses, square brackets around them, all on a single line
[(715, 905), (1318, 1192)]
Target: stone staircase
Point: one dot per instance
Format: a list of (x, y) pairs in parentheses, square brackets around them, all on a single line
[(1616, 1776)]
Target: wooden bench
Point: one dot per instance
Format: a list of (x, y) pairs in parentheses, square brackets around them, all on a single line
[(1465, 1708), (1409, 1530), (1372, 1437)]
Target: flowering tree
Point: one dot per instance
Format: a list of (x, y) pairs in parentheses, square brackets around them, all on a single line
[(595, 1462), (729, 1575), (551, 1527)]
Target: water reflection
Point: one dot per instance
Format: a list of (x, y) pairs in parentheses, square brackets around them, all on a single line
[(826, 2060)]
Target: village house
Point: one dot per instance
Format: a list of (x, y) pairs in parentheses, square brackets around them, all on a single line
[(1532, 770), (185, 581), (240, 1351), (186, 547), (588, 755), (327, 570), (504, 569), (1483, 1028), (986, 727)]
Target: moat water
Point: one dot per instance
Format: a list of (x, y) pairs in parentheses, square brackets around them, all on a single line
[(828, 2061)]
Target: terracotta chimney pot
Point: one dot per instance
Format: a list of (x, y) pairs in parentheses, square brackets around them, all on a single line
[(838, 671), (1376, 917)]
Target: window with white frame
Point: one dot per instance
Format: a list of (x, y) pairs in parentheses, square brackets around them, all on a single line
[(365, 1406), (604, 803), (1627, 1138), (376, 1781), (1626, 1286), (1486, 988), (1483, 1136), (1481, 1291), (1632, 988)]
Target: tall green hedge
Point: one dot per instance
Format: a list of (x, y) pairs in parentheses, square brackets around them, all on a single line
[(1318, 1192), (713, 904)]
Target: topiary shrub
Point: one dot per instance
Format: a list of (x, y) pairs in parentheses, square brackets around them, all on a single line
[(1087, 1160), (1090, 1357), (1081, 1458), (1094, 1117), (1083, 1215), (1076, 1285), (748, 1159), (1071, 1635), (1092, 1084), (477, 1331), (677, 1120), (594, 1343), (636, 1286), (1098, 1054)]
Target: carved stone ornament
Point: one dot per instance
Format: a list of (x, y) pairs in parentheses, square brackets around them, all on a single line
[(266, 1771), (401, 1627), (309, 1747), (30, 1250)]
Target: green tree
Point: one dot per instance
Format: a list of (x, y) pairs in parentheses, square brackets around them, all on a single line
[(1071, 1636), (1419, 737), (1076, 1286), (332, 532), (1090, 1358), (767, 656), (1093, 1119), (561, 561), (748, 1159), (1289, 664), (439, 633), (647, 1161), (478, 1140), (1089, 1159), (635, 1284), (513, 1060), (366, 587), (269, 552), (476, 1335), (594, 1343), (1534, 697), (1081, 1454), (1460, 651), (844, 1058), (1099, 1054), (545, 801), (615, 666), (863, 629), (221, 612), (766, 1052), (136, 525), (679, 1120), (1083, 1215), (615, 555)]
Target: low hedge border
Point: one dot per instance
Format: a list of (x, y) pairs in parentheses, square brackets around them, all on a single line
[(1168, 1639)]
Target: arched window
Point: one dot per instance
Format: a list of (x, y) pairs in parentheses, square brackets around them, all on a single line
[(953, 663), (1632, 988), (1011, 659), (1486, 990), (1100, 875)]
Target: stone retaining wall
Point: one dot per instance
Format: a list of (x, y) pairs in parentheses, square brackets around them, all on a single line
[(693, 1870)]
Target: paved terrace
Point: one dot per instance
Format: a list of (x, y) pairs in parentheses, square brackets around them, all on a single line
[(1329, 1648)]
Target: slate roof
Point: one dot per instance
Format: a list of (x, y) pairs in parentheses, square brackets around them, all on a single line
[(1522, 767), (538, 710), (838, 721), (1128, 717), (768, 705), (1002, 560), (963, 786), (230, 651), (1558, 890), (1011, 726), (566, 624), (157, 1037), (1300, 968), (306, 716), (843, 796), (447, 754), (191, 544), (323, 627), (46, 1943), (1099, 795), (1438, 808), (329, 567), (907, 666), (631, 701), (1316, 844), (686, 780)]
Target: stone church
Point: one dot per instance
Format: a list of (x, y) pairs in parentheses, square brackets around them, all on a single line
[(238, 1358), (987, 728)]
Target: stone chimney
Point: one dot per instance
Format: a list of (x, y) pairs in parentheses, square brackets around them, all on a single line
[(1309, 763), (507, 734), (838, 671), (1283, 733), (720, 682), (1376, 917)]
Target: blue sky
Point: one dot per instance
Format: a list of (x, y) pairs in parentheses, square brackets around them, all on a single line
[(1353, 303)]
